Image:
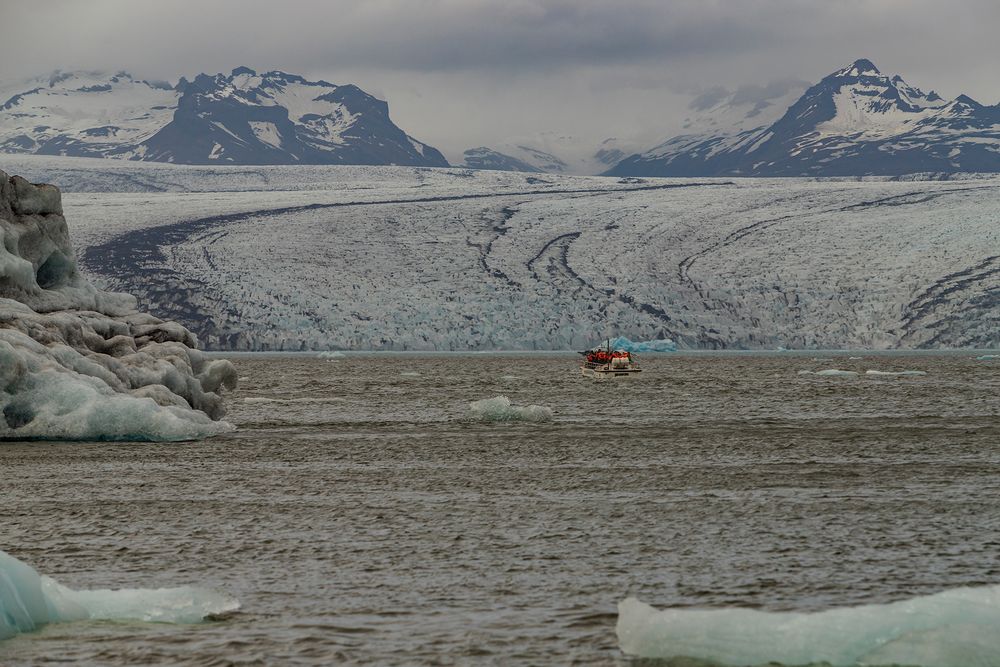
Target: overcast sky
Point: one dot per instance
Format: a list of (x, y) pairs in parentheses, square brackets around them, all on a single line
[(463, 73)]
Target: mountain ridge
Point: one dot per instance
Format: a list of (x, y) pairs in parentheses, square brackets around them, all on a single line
[(244, 117), (856, 121)]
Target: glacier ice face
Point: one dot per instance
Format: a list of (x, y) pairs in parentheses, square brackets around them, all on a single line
[(29, 601), (500, 409), (78, 363), (955, 628), (477, 260)]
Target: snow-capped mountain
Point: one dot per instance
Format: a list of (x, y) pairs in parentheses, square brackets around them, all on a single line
[(549, 152), (82, 113), (240, 118), (856, 121)]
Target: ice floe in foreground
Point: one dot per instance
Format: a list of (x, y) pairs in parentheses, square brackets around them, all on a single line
[(500, 409), (77, 363), (29, 601), (955, 628)]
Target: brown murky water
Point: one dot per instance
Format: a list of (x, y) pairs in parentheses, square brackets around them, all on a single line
[(362, 517)]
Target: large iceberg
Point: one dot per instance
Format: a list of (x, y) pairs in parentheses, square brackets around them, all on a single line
[(29, 600), (955, 628), (78, 363)]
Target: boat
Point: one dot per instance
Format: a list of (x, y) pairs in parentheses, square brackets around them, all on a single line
[(605, 362)]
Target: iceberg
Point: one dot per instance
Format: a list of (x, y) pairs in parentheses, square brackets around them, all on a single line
[(662, 345), (29, 601), (331, 354), (955, 628), (987, 357), (78, 363), (500, 409)]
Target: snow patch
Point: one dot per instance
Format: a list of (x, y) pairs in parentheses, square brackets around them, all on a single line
[(266, 132)]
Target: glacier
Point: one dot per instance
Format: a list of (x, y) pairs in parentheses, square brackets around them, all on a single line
[(79, 363), (954, 628), (29, 601), (397, 258)]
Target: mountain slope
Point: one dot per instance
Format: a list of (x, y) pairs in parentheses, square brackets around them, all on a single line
[(856, 121), (240, 118), (89, 114)]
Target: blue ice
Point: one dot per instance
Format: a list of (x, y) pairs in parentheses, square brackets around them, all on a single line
[(955, 628), (29, 601), (663, 345)]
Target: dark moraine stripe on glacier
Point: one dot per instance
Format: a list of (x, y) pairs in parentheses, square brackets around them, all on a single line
[(135, 261)]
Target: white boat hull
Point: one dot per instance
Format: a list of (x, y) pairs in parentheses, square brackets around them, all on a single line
[(605, 371)]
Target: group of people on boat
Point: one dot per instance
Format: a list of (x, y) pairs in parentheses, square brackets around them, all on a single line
[(601, 356)]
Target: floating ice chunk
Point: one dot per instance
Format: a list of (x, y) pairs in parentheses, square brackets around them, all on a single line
[(331, 354), (895, 373), (29, 600), (821, 359), (855, 358), (986, 357), (499, 409), (956, 628), (663, 345), (832, 372), (410, 374)]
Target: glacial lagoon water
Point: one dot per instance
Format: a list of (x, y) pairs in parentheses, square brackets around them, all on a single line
[(362, 514)]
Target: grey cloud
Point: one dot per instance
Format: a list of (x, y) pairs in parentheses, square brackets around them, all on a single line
[(709, 98), (467, 72), (755, 94)]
